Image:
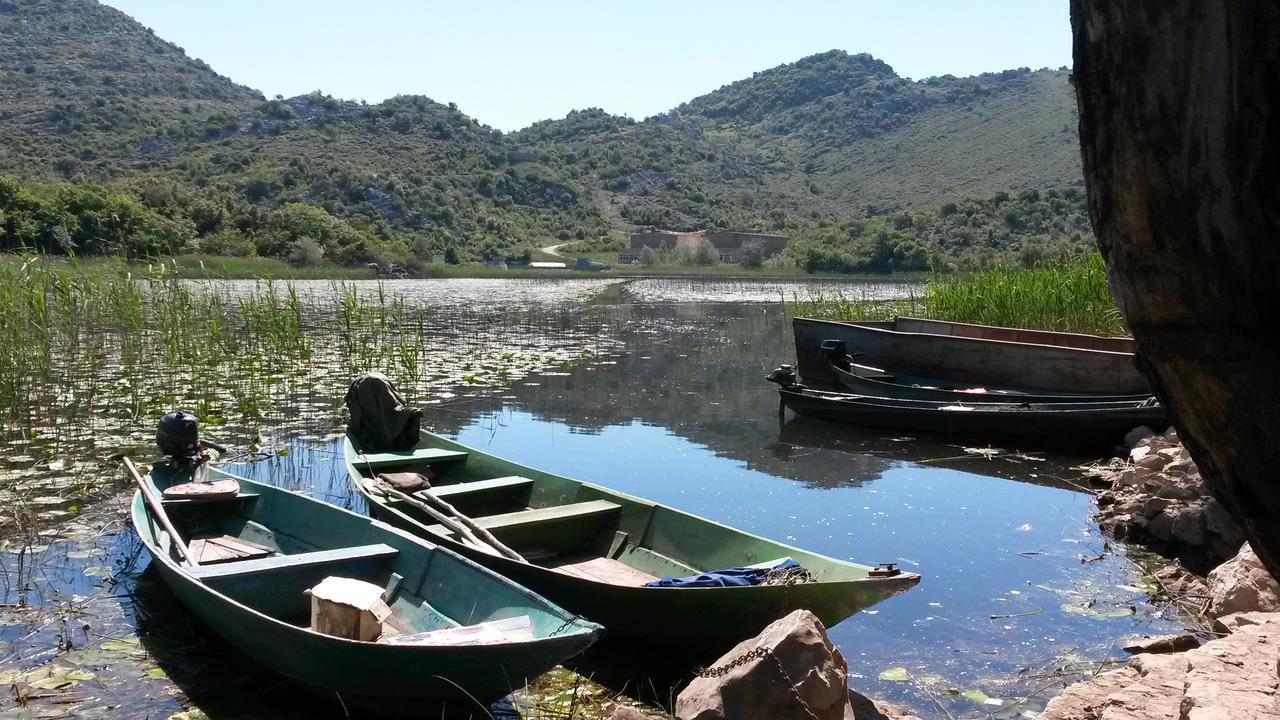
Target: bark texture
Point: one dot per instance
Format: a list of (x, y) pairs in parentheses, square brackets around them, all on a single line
[(1180, 134)]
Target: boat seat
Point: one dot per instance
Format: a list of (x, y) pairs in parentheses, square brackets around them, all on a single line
[(419, 456), (314, 559), (468, 490), (561, 528), (548, 515), (184, 502)]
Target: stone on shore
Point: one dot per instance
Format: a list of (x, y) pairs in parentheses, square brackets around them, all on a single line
[(1160, 644), (814, 669), (1231, 678), (1242, 585), (1156, 496)]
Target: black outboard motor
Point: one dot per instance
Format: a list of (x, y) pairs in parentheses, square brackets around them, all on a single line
[(783, 375), (837, 353), (178, 437)]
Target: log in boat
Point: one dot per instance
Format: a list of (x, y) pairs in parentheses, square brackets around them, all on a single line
[(593, 550), (979, 354), (274, 545), (875, 382), (1076, 426)]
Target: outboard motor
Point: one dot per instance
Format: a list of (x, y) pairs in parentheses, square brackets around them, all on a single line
[(837, 353), (784, 376), (178, 437)]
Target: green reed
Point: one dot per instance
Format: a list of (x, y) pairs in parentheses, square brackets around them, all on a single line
[(1062, 295)]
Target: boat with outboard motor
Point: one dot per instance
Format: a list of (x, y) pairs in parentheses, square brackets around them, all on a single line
[(455, 637)]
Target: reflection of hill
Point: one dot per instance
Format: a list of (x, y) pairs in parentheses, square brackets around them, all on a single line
[(697, 370)]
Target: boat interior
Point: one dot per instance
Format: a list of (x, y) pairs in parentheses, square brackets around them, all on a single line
[(578, 529), (1004, 334), (265, 549)]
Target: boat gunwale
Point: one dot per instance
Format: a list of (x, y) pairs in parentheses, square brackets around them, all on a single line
[(867, 325), (971, 409)]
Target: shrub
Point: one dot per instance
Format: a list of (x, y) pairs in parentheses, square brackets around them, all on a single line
[(306, 251), (228, 242)]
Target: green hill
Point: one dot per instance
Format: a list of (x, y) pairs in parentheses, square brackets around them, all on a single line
[(97, 113)]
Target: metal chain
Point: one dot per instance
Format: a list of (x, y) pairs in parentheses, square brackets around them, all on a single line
[(757, 654)]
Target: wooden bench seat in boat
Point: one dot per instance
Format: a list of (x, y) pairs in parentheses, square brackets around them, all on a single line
[(601, 569), (296, 561), (479, 489), (181, 502), (420, 456), (559, 528)]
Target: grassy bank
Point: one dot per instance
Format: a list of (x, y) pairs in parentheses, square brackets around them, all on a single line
[(1062, 295)]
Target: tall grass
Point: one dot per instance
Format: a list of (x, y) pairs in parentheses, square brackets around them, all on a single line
[(1062, 295)]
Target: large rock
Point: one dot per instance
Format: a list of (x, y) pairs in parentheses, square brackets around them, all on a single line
[(810, 666), (1231, 678), (1242, 584)]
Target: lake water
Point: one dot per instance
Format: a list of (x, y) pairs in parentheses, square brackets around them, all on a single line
[(655, 388)]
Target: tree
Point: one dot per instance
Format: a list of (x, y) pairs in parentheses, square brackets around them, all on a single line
[(706, 254), (648, 256), (1179, 102), (752, 255)]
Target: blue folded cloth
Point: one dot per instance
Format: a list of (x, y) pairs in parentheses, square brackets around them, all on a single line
[(729, 577)]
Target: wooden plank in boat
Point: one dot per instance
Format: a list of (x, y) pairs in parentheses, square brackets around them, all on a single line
[(602, 569), (225, 548), (407, 457), (220, 489)]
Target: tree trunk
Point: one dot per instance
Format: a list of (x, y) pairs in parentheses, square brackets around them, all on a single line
[(1180, 132)]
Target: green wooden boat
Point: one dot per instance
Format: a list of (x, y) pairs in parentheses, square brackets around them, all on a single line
[(259, 605), (591, 549)]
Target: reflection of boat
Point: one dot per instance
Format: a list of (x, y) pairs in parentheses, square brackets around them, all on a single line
[(593, 549), (980, 354), (864, 380), (1060, 425), (259, 603)]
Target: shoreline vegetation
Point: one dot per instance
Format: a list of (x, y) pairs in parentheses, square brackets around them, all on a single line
[(1059, 295)]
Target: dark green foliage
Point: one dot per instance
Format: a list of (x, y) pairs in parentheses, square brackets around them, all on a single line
[(821, 149)]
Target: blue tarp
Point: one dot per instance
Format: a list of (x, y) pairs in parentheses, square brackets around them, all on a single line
[(729, 577)]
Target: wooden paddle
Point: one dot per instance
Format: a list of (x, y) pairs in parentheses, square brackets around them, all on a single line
[(475, 527), (455, 524), (157, 508)]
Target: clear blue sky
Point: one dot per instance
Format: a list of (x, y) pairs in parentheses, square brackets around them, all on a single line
[(509, 63)]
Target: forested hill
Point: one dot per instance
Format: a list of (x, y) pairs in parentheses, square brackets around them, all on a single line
[(90, 97)]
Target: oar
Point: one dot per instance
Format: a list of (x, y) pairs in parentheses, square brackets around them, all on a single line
[(455, 525), (474, 526), (158, 509)]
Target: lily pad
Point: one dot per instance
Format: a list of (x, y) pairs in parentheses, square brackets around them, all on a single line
[(895, 674)]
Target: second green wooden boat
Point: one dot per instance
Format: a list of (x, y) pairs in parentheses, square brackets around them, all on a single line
[(592, 550)]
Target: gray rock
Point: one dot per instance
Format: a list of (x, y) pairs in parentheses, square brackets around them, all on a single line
[(810, 665), (1188, 526), (1161, 527), (1231, 678), (1160, 643), (1242, 584), (1154, 506), (1137, 435)]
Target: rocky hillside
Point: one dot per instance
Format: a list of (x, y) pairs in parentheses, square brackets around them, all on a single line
[(87, 95)]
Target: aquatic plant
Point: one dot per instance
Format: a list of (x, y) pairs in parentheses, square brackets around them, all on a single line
[(1063, 295)]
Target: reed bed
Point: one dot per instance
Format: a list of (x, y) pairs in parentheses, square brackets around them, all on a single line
[(1062, 295)]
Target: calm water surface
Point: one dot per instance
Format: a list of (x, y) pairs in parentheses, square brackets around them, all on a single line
[(1017, 585), (655, 388)]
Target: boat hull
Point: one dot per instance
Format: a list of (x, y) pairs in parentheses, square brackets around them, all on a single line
[(396, 679), (1063, 428), (975, 354), (917, 388)]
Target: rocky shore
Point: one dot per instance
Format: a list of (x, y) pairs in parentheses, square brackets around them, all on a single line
[(1156, 497)]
